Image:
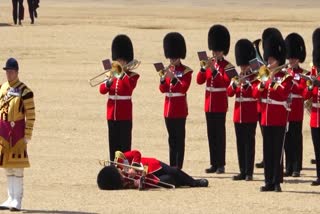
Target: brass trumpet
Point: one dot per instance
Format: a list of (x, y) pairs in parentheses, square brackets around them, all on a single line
[(116, 70), (265, 72), (206, 63), (244, 79), (162, 71)]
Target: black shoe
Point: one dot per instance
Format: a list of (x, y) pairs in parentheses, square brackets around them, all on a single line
[(287, 174), (202, 183), (260, 165), (32, 22), (212, 169), (4, 208), (249, 178), (267, 188), (277, 188), (220, 170), (315, 183), (239, 177), (12, 209), (313, 161), (296, 174), (20, 22)]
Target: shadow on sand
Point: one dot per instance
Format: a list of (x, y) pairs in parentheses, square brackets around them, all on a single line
[(5, 25), (57, 212)]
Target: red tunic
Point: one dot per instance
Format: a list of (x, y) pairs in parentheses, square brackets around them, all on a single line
[(151, 164), (119, 105), (314, 94), (216, 99), (245, 106), (175, 103), (274, 101), (297, 105)]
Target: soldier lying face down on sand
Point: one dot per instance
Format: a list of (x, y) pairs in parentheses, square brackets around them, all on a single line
[(131, 171)]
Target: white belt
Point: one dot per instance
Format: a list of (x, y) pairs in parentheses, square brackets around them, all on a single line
[(274, 102), (118, 97), (213, 89), (175, 94), (245, 99), (316, 105), (296, 96)]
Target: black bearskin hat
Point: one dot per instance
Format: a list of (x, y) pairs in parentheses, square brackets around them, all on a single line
[(109, 178), (271, 31), (244, 52), (275, 47), (122, 48), (219, 39), (316, 48), (174, 46), (295, 47)]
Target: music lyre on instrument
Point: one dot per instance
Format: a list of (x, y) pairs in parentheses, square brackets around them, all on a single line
[(165, 71), (205, 61)]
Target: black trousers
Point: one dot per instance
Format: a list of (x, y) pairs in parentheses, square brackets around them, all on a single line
[(315, 133), (177, 131), (294, 147), (216, 131), (119, 132), (261, 129), (246, 141), (272, 150), (32, 5), (18, 10), (174, 176)]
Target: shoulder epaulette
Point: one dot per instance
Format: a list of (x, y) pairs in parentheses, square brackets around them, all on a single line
[(186, 70), (131, 73)]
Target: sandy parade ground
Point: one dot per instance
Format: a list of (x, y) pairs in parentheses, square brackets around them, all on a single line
[(64, 49)]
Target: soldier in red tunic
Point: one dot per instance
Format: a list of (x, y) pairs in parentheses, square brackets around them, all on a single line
[(156, 172), (313, 92), (119, 105), (245, 114), (216, 100), (296, 53), (266, 34), (274, 92), (174, 83)]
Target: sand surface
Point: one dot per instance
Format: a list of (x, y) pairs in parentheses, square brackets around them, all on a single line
[(65, 48)]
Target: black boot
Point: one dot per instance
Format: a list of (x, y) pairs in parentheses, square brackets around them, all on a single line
[(296, 174), (267, 188), (287, 174), (201, 183), (316, 182), (211, 169), (249, 178), (239, 177), (277, 188), (260, 165), (220, 170)]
